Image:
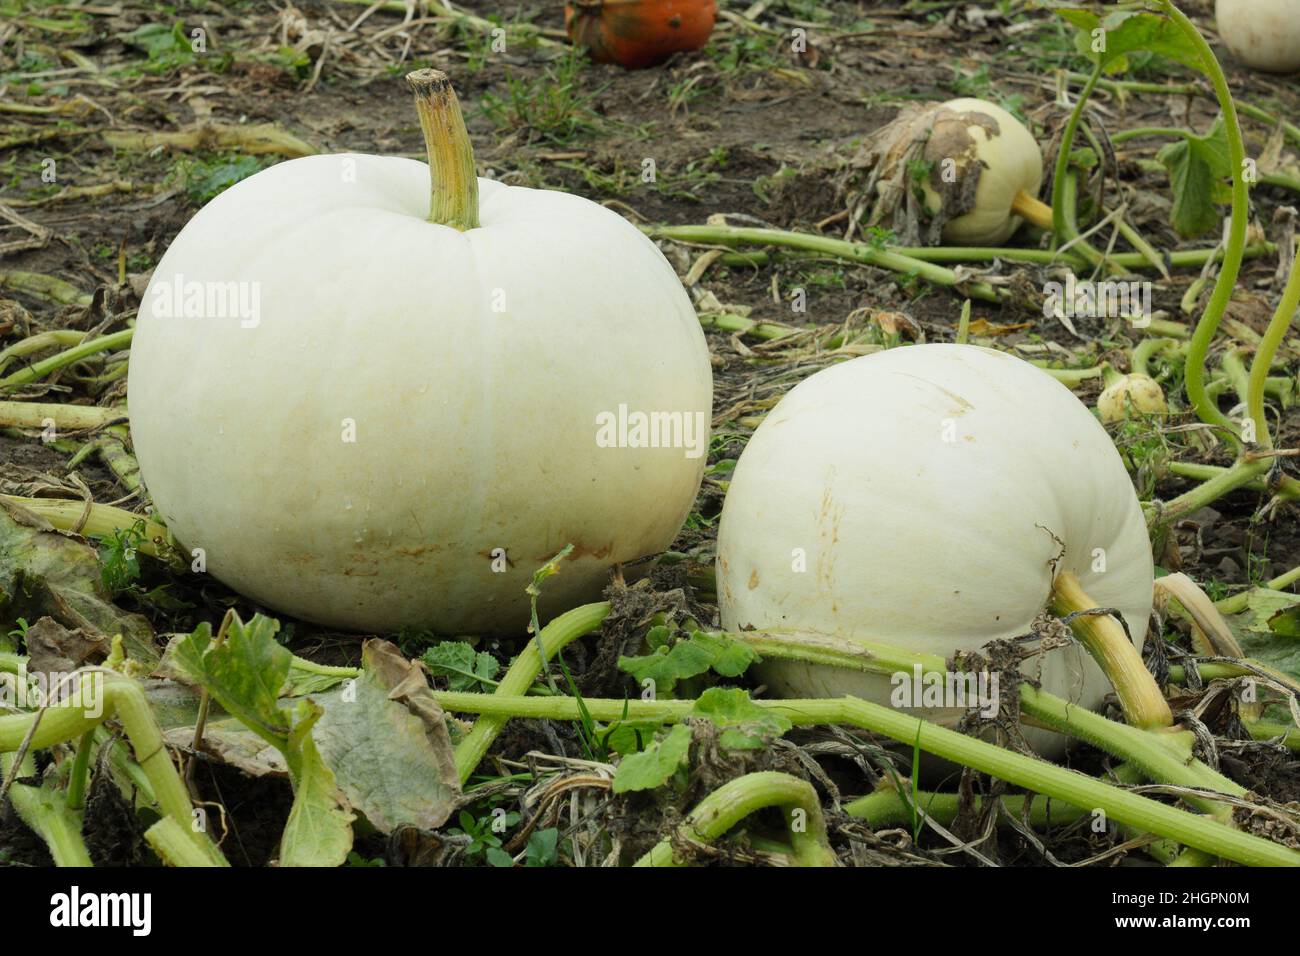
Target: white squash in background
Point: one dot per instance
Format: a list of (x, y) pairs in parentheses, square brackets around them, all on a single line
[(917, 488), (1263, 34), (407, 428), (976, 135), (1135, 393)]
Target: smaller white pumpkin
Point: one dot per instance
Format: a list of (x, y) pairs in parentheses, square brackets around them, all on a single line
[(922, 497), (1131, 394), (1263, 34), (975, 136)]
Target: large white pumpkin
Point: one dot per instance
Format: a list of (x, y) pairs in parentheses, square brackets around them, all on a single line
[(919, 490), (409, 425), (1263, 34)]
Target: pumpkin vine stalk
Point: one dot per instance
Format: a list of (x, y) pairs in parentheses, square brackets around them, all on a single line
[(1206, 410)]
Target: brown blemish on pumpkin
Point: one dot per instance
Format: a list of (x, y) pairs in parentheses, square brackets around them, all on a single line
[(829, 532), (753, 579), (963, 406), (951, 139), (416, 552), (354, 573)]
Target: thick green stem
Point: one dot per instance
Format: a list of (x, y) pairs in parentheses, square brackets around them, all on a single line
[(102, 520), (1224, 482), (112, 451), (1206, 410), (1278, 326), (45, 287), (888, 807), (870, 657), (39, 370), (1060, 227), (80, 774), (1181, 259), (169, 840), (1145, 350), (865, 253), (62, 417), (563, 630), (1124, 135), (1262, 730), (125, 699), (1235, 370), (766, 331), (1163, 756), (453, 177), (735, 800), (1239, 602), (58, 338), (1140, 697), (1075, 239), (1076, 376), (40, 808), (1068, 786)]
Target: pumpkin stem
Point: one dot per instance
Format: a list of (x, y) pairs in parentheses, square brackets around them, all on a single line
[(454, 193), (1139, 696)]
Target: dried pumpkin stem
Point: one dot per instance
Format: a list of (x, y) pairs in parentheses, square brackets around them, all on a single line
[(454, 193), (1140, 697)]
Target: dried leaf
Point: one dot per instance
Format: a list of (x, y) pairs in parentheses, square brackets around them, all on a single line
[(47, 573)]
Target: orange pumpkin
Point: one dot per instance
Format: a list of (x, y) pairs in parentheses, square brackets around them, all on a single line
[(639, 33)]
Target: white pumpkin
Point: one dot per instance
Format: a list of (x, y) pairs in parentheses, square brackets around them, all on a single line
[(410, 424), (1263, 34), (910, 497), (1129, 394), (969, 135)]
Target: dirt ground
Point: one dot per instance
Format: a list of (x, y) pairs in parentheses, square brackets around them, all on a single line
[(112, 98)]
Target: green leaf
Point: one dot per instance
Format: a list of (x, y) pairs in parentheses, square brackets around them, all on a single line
[(543, 847), (244, 674), (498, 857), (1279, 652), (745, 725), (305, 683), (654, 766), (464, 668), (319, 829), (1262, 605), (207, 179), (730, 658), (688, 658), (629, 736), (1198, 167), (1129, 31), (157, 40), (1286, 623)]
